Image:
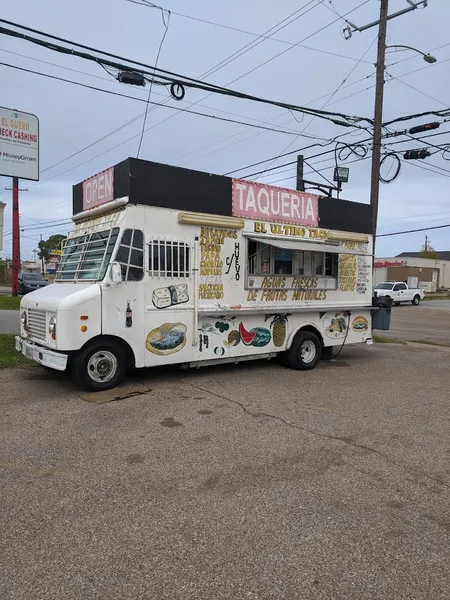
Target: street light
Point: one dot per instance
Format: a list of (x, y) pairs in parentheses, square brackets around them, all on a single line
[(426, 57)]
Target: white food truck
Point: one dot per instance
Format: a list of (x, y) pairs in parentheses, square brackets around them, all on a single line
[(167, 265)]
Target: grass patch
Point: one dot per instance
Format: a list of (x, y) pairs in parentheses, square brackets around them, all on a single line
[(378, 339), (10, 302), (9, 357), (446, 297), (430, 343)]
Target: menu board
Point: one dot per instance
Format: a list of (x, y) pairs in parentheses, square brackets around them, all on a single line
[(363, 276)]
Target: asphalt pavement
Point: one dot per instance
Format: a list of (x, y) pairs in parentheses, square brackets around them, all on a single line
[(233, 482), (429, 322)]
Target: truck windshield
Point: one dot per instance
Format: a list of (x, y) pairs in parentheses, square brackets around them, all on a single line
[(86, 257), (384, 286)]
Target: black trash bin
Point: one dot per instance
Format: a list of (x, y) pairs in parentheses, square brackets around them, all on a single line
[(382, 301), (381, 317)]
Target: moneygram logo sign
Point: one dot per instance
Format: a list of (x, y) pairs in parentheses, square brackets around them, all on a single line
[(19, 144)]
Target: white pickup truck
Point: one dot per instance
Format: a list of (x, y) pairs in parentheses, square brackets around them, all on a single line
[(399, 292)]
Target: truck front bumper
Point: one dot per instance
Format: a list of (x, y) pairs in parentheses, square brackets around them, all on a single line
[(41, 355)]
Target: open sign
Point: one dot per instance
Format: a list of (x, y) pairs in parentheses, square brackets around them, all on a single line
[(98, 189)]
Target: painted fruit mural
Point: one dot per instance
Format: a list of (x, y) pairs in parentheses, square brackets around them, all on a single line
[(246, 336), (279, 328), (234, 338), (258, 336), (262, 336)]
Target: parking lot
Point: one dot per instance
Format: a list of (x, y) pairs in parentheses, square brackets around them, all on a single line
[(429, 322), (249, 481)]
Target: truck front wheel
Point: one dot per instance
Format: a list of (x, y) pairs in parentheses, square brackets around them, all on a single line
[(416, 300), (98, 366)]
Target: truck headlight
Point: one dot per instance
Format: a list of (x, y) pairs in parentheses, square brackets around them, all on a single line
[(24, 320), (52, 327)]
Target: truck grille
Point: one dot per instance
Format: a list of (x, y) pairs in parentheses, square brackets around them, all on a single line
[(37, 326)]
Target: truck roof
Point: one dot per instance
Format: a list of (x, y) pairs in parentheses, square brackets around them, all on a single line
[(154, 184)]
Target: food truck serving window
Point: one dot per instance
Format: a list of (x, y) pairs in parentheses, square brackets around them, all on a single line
[(169, 259), (265, 259)]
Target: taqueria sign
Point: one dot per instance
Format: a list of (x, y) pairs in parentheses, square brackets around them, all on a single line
[(267, 203)]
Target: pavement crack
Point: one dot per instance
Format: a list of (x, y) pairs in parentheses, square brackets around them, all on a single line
[(327, 436)]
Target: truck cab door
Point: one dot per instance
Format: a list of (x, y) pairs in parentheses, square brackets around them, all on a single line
[(400, 294)]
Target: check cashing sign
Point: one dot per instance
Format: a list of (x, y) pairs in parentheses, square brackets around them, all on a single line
[(19, 144)]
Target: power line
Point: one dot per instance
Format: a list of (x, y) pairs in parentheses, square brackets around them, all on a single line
[(237, 54), (155, 105), (301, 41), (413, 230), (187, 110), (266, 37), (426, 168), (166, 77), (215, 68), (289, 20), (45, 225), (166, 29), (329, 98), (325, 96)]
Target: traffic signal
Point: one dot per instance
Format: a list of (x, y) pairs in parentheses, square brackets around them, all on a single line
[(426, 127), (416, 154)]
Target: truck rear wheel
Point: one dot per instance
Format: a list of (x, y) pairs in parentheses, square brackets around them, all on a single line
[(416, 300), (98, 366), (304, 354)]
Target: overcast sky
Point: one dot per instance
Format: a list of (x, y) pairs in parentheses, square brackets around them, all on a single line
[(316, 66)]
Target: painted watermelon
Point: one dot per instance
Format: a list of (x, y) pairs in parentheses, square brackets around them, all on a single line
[(262, 336), (246, 336)]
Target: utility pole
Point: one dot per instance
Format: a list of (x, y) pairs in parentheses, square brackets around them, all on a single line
[(378, 118), (426, 243), (379, 89), (300, 181), (42, 261), (16, 237)]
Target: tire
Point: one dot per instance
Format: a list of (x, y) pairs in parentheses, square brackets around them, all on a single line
[(397, 303), (416, 300), (99, 366), (327, 353), (305, 352)]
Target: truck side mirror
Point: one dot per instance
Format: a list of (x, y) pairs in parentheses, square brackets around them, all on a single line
[(115, 273)]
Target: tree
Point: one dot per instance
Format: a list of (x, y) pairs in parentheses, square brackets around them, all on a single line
[(428, 251), (46, 246)]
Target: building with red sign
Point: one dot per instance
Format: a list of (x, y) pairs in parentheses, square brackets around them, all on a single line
[(427, 273)]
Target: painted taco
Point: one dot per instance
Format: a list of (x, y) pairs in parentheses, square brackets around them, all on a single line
[(360, 324), (166, 339)]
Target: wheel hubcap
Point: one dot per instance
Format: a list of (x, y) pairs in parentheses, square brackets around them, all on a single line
[(102, 366), (308, 351)]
